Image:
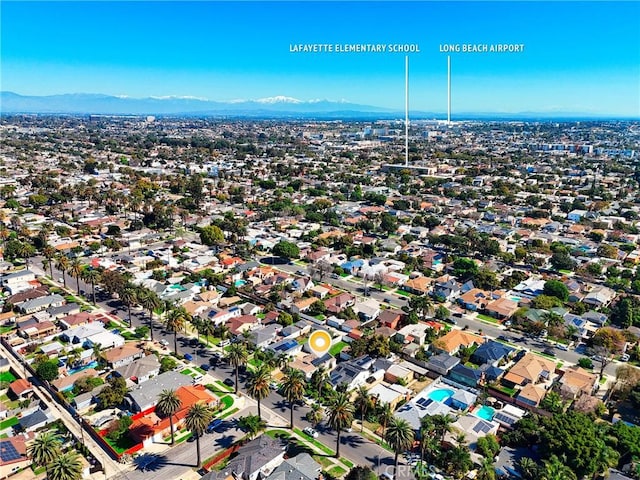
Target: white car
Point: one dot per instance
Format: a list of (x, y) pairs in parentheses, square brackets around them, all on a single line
[(311, 432), (164, 342)]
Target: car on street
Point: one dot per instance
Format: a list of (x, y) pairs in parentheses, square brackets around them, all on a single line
[(300, 272), (549, 351), (188, 357), (206, 367), (228, 382), (164, 342), (213, 425), (311, 432), (625, 357), (193, 342)]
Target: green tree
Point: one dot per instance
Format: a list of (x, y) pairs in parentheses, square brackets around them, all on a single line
[(340, 416), (400, 437), (258, 385), (167, 363), (293, 386), (361, 473), (44, 449), (62, 264), (47, 370), (175, 322), (211, 235), (75, 269), (556, 469), (252, 424), (555, 288), (488, 446), (286, 249), (237, 355), (364, 403), (197, 419), (150, 301), (552, 402), (129, 298), (91, 276), (66, 466), (168, 404)]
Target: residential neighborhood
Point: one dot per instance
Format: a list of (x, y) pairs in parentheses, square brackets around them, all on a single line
[(161, 279)]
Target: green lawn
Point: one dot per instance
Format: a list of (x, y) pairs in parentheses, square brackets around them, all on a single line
[(403, 293), (336, 471), (277, 433), (9, 422), (226, 401), (6, 328), (122, 444), (7, 376), (337, 348), (229, 413), (487, 318), (223, 387), (346, 462)]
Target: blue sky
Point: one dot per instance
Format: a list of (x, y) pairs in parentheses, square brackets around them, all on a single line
[(578, 56)]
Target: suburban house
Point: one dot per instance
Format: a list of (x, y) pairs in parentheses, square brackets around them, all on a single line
[(124, 355), (390, 318), (66, 383), (151, 428), (392, 394), (256, 460), (145, 396), (354, 372), (502, 308), (529, 369), (41, 303), (530, 396), (340, 302), (416, 333), (14, 454), (453, 341), (577, 381), (442, 363), (21, 388), (418, 285), (141, 369), (300, 467), (491, 353)]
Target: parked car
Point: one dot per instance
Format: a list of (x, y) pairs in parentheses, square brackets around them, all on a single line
[(188, 357), (224, 343), (205, 366), (164, 342), (213, 425), (228, 382), (625, 357), (311, 432)]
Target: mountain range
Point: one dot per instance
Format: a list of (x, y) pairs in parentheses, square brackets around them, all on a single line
[(271, 107), (88, 103)]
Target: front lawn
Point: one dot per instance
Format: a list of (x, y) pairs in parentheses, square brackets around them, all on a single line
[(337, 348), (7, 377), (9, 422), (487, 318), (123, 443), (226, 402)]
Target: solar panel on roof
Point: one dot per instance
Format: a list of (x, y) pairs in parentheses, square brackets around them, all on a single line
[(8, 452), (504, 418)]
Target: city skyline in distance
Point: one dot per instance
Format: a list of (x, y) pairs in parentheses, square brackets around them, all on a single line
[(197, 49)]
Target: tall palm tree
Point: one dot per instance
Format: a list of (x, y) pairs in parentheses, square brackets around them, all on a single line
[(258, 385), (75, 269), (176, 320), (62, 264), (319, 379), (49, 253), (293, 388), (207, 328), (283, 360), (400, 437), (150, 301), (98, 354), (197, 419), (340, 416), (528, 468), (384, 415), (66, 466), (45, 448), (26, 251), (487, 470), (91, 276), (442, 425), (168, 404), (315, 415), (196, 324), (363, 403), (128, 297), (237, 355)]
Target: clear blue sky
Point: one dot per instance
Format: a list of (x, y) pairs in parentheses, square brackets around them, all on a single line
[(578, 56)]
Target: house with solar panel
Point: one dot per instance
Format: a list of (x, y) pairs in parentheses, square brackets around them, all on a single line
[(13, 454)]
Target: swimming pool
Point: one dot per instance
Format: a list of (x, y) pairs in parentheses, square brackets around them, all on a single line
[(92, 364), (441, 394), (240, 283), (485, 412)]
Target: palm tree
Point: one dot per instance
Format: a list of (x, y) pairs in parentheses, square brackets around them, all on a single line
[(26, 251), (487, 471), (283, 360), (168, 404), (66, 466), (197, 419), (91, 276), (207, 328), (45, 448), (384, 415), (98, 354), (340, 416), (62, 264), (319, 378), (293, 388), (258, 385), (196, 324), (528, 468), (75, 269), (175, 322), (315, 415), (400, 437), (252, 424), (237, 355), (150, 301), (363, 403), (129, 297), (442, 425), (49, 253), (556, 469)]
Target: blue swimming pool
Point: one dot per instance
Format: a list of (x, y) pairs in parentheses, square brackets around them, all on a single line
[(485, 412), (441, 394), (92, 364)]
